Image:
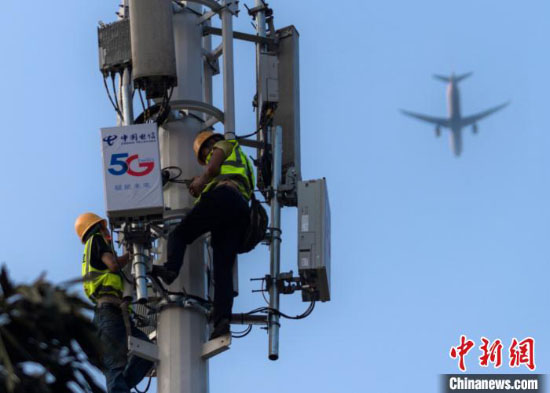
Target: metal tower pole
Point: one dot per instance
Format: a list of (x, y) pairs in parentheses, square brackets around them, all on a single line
[(228, 74), (182, 331), (127, 104), (275, 248)]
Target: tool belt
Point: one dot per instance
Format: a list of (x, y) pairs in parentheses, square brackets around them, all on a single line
[(109, 299), (229, 183)]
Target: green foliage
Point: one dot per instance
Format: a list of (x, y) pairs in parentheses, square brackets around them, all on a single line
[(47, 342)]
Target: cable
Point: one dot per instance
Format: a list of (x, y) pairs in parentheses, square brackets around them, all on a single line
[(305, 314), (143, 106), (164, 110), (243, 333), (146, 388), (116, 96), (120, 267), (248, 135), (263, 292), (174, 179), (209, 270), (111, 98)]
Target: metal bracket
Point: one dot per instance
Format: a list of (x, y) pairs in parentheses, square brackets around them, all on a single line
[(240, 36), (198, 106), (247, 319), (261, 8), (206, 16), (139, 234), (213, 5), (143, 349), (209, 123), (216, 346), (286, 283), (289, 190), (185, 302), (233, 7), (251, 143), (216, 53)]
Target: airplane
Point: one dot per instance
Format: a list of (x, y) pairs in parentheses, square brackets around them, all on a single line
[(455, 122)]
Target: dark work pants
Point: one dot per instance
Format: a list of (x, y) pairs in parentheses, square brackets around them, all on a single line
[(122, 372), (224, 213)]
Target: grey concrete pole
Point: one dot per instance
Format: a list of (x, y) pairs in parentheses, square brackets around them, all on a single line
[(182, 331), (275, 248), (228, 74)]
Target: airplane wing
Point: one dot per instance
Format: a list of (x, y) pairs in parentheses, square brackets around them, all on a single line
[(468, 120), (440, 121)]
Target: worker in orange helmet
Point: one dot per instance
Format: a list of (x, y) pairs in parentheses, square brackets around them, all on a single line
[(104, 286), (222, 191)]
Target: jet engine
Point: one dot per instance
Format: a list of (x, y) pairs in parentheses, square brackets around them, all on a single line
[(438, 131), (474, 128)]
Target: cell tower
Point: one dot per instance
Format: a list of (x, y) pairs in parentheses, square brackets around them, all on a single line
[(159, 57)]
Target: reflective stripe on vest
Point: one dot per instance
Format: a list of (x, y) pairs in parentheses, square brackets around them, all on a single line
[(236, 167), (99, 282)]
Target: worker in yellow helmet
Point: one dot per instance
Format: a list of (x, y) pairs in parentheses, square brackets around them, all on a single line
[(222, 191), (104, 286)]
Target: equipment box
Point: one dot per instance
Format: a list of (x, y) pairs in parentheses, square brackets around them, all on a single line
[(314, 239)]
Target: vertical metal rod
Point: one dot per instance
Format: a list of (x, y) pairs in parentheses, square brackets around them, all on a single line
[(228, 73), (120, 95), (139, 265), (275, 247), (127, 103), (207, 70)]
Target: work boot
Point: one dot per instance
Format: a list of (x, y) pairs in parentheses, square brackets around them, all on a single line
[(167, 275), (220, 329)]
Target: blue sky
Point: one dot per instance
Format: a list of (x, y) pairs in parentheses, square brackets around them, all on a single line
[(426, 246)]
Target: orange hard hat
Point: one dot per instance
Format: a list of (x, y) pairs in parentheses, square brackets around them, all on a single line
[(85, 222), (200, 140)]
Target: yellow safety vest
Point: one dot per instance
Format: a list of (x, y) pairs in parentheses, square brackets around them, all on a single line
[(236, 167), (97, 282)]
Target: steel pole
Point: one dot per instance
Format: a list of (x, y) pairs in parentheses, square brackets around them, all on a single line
[(228, 73), (275, 247), (139, 267), (127, 103), (182, 331)]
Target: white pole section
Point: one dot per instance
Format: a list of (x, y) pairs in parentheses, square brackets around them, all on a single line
[(182, 331), (228, 73)]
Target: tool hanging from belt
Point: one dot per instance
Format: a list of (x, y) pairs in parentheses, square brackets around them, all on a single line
[(126, 318)]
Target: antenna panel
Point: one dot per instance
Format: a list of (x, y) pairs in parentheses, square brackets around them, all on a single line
[(314, 239)]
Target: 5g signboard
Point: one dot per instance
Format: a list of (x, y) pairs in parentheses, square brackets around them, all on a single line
[(131, 172)]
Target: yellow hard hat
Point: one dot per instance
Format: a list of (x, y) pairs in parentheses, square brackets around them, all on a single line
[(200, 140), (85, 222)]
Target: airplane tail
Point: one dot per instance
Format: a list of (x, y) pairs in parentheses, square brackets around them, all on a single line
[(451, 78)]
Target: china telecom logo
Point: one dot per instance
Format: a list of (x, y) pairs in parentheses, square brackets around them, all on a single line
[(122, 163)]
